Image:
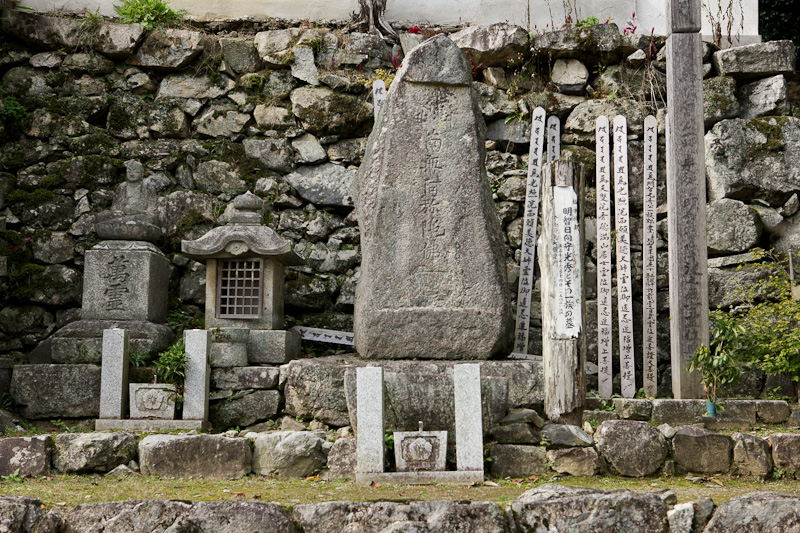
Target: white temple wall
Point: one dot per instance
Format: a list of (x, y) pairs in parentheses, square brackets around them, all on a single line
[(536, 14)]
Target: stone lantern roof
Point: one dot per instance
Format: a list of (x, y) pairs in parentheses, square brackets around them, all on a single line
[(244, 236)]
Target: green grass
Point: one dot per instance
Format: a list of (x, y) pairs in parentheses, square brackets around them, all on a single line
[(64, 492)]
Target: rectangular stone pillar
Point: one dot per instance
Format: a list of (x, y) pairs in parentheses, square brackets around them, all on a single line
[(469, 417), (686, 195), (197, 382), (369, 404), (114, 375)]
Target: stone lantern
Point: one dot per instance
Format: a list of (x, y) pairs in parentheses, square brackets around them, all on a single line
[(245, 270)]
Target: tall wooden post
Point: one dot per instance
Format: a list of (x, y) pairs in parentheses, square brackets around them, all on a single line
[(686, 194), (561, 265)]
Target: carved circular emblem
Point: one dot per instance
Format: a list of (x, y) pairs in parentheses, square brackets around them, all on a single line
[(236, 248), (151, 400), (419, 450)]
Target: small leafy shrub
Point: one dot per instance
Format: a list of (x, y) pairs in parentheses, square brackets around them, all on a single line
[(149, 13), (587, 22), (10, 108), (139, 359), (171, 365), (718, 363), (379, 74)]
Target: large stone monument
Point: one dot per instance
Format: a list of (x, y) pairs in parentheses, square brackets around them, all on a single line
[(433, 270), (126, 278)]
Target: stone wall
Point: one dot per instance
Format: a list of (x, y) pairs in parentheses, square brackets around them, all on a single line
[(624, 441), (224, 107), (547, 507)]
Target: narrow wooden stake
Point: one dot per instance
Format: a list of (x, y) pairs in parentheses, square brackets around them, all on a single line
[(378, 96), (561, 265), (624, 286), (650, 259), (605, 320), (553, 139), (529, 227)]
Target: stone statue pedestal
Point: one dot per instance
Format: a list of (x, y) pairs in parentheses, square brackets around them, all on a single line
[(125, 280), (125, 286)]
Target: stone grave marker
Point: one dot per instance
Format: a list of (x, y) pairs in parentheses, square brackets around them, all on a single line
[(553, 138), (197, 383), (529, 226), (114, 375), (378, 96), (469, 418), (433, 270), (421, 459), (245, 272), (650, 258), (624, 283), (605, 338), (686, 194), (369, 398)]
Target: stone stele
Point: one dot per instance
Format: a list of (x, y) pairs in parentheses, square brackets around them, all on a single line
[(432, 274)]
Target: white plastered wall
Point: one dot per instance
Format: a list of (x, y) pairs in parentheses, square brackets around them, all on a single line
[(536, 14)]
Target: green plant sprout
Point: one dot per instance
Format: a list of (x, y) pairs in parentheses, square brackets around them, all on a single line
[(149, 13)]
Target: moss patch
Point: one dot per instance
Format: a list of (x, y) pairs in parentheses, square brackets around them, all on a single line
[(772, 129)]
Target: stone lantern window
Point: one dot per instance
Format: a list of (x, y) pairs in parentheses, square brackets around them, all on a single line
[(239, 293), (245, 262)]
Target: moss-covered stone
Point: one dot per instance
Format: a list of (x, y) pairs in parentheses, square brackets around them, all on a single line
[(719, 100), (92, 108), (125, 115), (325, 112), (91, 144), (84, 172)]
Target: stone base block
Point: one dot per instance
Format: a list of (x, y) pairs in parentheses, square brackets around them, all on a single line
[(247, 377), (229, 335), (208, 456), (228, 354), (465, 477), (81, 342), (273, 346), (244, 409), (31, 455), (325, 388), (516, 460), (149, 425), (677, 412), (56, 391)]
